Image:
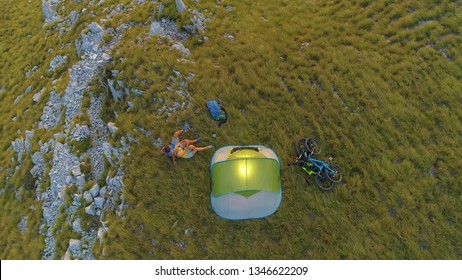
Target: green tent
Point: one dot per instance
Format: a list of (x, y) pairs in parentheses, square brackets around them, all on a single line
[(246, 182)]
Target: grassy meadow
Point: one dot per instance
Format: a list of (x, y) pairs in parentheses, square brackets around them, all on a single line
[(378, 82)]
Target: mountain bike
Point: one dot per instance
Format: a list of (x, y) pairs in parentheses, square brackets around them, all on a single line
[(326, 174)]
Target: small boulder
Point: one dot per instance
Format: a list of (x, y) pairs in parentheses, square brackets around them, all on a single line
[(181, 48), (99, 202), (95, 28), (180, 6), (116, 94), (102, 191), (156, 29), (94, 191), (28, 90), (112, 127), (56, 62), (91, 210), (75, 170), (76, 225), (87, 196), (74, 246), (48, 9), (101, 232), (38, 95)]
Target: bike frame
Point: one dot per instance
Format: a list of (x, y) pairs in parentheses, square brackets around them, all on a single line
[(318, 164)]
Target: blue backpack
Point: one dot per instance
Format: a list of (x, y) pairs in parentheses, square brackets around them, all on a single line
[(217, 112)]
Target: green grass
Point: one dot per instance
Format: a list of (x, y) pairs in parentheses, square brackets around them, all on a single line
[(378, 82)]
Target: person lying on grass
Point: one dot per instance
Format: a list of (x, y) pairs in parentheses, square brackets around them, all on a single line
[(183, 149)]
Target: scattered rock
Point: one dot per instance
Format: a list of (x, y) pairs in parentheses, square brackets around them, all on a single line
[(115, 184), (112, 127), (181, 48), (95, 28), (39, 165), (101, 232), (18, 194), (74, 246), (170, 30), (116, 94), (28, 90), (229, 36), (137, 92), (16, 101), (49, 11), (29, 135), (67, 255), (197, 25), (180, 6), (52, 112), (18, 145), (38, 95), (56, 62), (157, 30), (73, 17), (109, 151), (32, 71), (160, 9), (158, 142), (23, 225)]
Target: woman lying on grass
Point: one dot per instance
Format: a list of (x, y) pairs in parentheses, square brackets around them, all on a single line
[(183, 149)]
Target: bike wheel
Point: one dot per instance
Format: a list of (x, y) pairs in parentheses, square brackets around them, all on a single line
[(323, 182), (300, 146), (336, 176), (313, 145)]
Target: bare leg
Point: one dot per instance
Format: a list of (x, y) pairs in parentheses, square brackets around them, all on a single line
[(178, 133), (187, 142), (195, 149)]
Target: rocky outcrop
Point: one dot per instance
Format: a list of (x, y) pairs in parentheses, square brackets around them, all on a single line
[(99, 135), (53, 198), (52, 112), (63, 113)]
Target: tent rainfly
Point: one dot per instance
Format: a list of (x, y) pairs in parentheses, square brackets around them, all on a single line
[(246, 182)]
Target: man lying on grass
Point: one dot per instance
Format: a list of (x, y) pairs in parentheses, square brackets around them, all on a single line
[(183, 149)]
